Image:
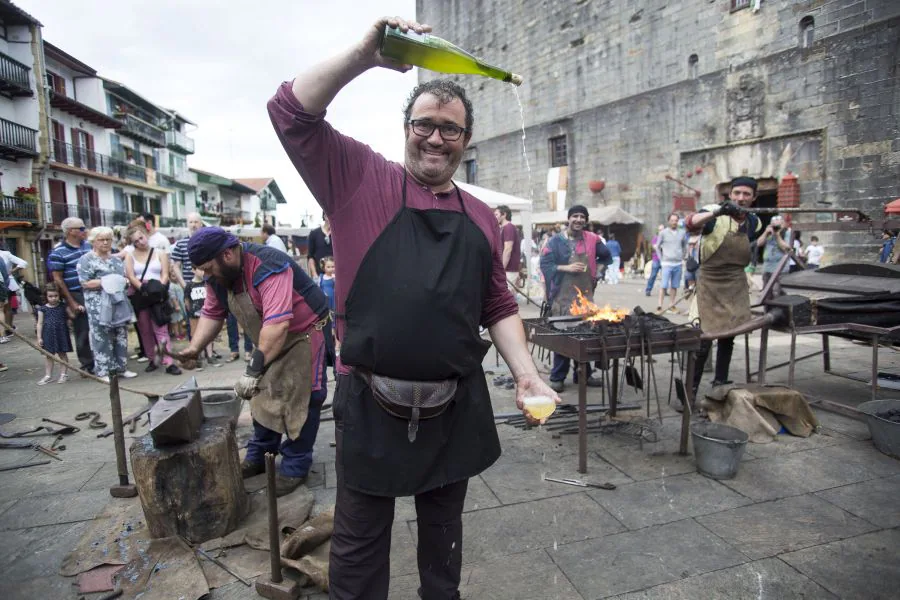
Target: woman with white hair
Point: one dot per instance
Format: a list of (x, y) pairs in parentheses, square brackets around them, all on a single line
[(102, 277)]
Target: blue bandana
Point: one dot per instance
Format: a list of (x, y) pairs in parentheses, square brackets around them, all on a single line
[(208, 242)]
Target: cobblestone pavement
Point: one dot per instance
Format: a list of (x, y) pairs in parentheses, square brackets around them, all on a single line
[(805, 518)]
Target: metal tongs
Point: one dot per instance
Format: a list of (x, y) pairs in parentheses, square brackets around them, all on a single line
[(580, 483)]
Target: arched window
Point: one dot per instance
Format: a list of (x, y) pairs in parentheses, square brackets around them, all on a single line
[(692, 66), (807, 31)]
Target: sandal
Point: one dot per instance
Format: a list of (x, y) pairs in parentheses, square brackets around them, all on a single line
[(45, 380), (234, 356)]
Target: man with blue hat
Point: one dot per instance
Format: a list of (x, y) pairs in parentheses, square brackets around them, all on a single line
[(284, 311)]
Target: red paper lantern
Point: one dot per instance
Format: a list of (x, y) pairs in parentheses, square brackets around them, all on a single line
[(698, 170), (596, 185), (688, 174)]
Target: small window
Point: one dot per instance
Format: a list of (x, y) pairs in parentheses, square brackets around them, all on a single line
[(558, 152), (807, 31), (56, 83), (471, 171), (739, 4), (693, 61)]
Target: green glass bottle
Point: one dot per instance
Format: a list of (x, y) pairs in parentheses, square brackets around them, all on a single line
[(436, 54)]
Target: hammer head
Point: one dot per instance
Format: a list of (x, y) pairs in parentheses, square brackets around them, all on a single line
[(286, 589), (123, 491)]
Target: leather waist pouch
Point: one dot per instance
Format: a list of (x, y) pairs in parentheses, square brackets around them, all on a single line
[(410, 400)]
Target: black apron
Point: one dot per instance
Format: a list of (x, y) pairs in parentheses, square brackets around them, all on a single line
[(413, 312)]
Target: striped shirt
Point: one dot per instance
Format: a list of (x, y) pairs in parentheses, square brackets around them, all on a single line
[(180, 254), (65, 258)]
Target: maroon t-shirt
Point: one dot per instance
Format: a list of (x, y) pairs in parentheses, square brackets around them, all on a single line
[(509, 233), (361, 191)]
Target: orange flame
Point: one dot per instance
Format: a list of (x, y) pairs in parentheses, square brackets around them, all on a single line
[(582, 306)]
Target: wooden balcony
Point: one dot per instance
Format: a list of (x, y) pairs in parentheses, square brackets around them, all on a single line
[(17, 141), (15, 79)]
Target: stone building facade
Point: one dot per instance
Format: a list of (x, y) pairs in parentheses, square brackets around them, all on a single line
[(647, 95)]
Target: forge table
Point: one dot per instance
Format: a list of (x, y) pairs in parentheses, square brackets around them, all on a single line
[(610, 343)]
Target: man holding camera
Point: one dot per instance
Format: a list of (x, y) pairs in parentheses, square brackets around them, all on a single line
[(723, 295), (776, 247)]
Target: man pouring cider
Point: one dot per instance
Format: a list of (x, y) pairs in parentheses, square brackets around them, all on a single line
[(418, 269)]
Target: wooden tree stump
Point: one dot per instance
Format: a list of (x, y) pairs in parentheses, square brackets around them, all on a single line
[(194, 490)]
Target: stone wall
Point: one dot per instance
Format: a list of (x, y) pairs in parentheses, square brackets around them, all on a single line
[(615, 77)]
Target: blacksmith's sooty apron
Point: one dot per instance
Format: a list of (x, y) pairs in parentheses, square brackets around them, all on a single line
[(413, 313), (572, 282), (283, 398), (723, 296)]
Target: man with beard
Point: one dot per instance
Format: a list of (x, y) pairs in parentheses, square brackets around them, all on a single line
[(419, 269), (283, 310), (723, 295), (569, 264)]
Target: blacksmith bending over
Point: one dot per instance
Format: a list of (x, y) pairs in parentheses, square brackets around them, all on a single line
[(419, 268), (282, 310), (569, 264), (723, 295)]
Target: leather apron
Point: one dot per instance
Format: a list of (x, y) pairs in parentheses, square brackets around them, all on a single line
[(572, 282), (723, 296), (283, 398), (413, 312)]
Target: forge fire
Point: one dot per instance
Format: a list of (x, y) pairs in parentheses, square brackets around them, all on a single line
[(581, 306)]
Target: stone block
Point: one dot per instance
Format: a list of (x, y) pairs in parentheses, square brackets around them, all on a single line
[(859, 568), (636, 560), (874, 500), (667, 499), (547, 523), (768, 578), (771, 528)]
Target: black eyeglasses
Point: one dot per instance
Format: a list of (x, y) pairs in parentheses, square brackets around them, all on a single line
[(449, 132), (82, 229)]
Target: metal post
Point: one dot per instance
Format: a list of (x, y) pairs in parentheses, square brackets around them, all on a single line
[(689, 404), (792, 362), (124, 489), (826, 353), (614, 397), (747, 357), (875, 367), (274, 542), (763, 349), (582, 417)]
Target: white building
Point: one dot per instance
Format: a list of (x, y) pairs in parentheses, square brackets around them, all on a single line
[(114, 154), (223, 201), (20, 81), (265, 199)]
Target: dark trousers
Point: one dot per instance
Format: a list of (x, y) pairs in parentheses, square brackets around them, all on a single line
[(82, 336), (359, 566), (561, 369), (724, 350), (296, 455), (231, 325)]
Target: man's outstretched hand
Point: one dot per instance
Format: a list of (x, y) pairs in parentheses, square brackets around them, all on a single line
[(531, 385)]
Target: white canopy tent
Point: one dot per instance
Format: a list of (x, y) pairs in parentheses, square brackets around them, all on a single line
[(520, 207)]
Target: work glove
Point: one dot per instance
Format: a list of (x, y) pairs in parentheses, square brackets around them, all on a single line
[(248, 384), (730, 209)]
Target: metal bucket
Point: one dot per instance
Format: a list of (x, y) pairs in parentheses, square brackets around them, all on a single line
[(718, 449), (885, 434), (221, 404)]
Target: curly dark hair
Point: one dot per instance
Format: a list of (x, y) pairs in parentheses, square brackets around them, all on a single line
[(445, 91)]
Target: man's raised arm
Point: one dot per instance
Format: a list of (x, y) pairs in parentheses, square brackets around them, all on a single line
[(317, 87)]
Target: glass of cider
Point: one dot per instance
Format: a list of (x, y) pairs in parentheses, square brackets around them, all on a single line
[(539, 407)]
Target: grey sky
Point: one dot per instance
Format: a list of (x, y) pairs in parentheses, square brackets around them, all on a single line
[(219, 61)]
